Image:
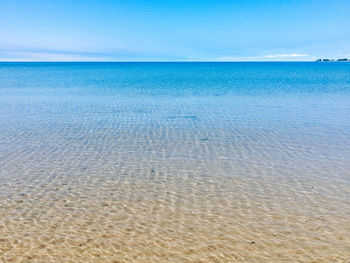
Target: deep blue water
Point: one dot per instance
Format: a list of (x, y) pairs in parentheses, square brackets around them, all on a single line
[(175, 79)]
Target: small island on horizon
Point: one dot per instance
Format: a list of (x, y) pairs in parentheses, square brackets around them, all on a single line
[(333, 60)]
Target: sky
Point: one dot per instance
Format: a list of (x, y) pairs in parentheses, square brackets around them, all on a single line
[(176, 30)]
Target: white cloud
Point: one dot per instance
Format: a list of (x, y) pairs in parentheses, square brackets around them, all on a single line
[(274, 57), (286, 55)]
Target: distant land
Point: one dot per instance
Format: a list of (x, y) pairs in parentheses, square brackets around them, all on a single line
[(333, 60)]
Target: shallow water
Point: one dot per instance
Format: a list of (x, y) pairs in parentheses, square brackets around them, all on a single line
[(174, 162)]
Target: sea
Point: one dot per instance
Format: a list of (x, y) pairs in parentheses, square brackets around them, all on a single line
[(174, 162)]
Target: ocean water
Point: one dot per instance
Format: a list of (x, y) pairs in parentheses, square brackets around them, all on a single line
[(175, 162)]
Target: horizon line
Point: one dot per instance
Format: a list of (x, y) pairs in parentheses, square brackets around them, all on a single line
[(147, 61)]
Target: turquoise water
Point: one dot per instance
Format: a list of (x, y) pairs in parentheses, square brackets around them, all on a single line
[(175, 162)]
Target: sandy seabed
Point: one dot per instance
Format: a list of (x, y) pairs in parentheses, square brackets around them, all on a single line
[(171, 188)]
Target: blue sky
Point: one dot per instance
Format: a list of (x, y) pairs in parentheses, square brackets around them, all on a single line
[(177, 30)]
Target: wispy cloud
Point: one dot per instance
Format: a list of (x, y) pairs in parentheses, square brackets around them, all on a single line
[(42, 54), (38, 54), (270, 57), (286, 55)]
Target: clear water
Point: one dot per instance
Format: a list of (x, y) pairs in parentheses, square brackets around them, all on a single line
[(174, 162)]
